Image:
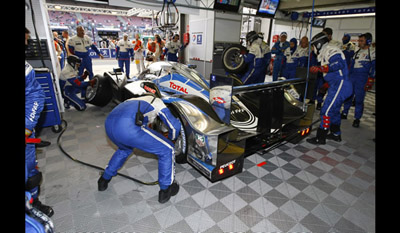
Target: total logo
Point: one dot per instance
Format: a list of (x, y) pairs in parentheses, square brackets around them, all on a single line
[(177, 87), (219, 100)]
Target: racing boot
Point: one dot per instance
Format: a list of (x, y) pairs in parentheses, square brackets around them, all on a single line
[(47, 210), (165, 194), (356, 123), (319, 105), (343, 116), (102, 183), (320, 139), (335, 133)]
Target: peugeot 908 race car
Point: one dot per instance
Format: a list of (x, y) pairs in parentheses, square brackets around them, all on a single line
[(213, 146)]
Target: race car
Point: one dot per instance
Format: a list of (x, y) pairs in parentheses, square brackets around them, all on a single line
[(253, 117)]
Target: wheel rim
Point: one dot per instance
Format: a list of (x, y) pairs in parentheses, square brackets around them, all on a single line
[(232, 58), (91, 91)]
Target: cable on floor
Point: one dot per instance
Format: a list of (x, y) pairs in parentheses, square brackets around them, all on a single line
[(94, 166)]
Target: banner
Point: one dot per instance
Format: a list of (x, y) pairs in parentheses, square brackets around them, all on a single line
[(107, 53)]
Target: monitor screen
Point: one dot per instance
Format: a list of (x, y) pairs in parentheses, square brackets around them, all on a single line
[(267, 8), (319, 22), (227, 5)]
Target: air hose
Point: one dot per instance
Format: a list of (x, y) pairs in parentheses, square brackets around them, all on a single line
[(94, 166)]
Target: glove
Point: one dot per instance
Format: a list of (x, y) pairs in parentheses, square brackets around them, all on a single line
[(92, 82), (316, 69), (85, 74), (369, 84), (323, 88)]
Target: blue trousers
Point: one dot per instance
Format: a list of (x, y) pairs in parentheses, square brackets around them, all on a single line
[(330, 111), (126, 135), (172, 57), (358, 80), (31, 162), (124, 62), (86, 64), (277, 68), (289, 71)]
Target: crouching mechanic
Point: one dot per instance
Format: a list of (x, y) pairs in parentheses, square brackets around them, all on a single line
[(335, 72), (127, 128), (71, 83)]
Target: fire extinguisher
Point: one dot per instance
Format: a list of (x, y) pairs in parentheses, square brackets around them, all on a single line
[(275, 38), (186, 39)]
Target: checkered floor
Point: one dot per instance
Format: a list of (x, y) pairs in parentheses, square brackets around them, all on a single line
[(302, 187)]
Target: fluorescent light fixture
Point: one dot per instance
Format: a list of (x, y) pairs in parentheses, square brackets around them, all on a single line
[(57, 7), (345, 16)]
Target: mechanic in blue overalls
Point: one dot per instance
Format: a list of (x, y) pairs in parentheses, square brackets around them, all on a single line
[(254, 58), (128, 129), (348, 48), (334, 68), (124, 54), (173, 47), (289, 71), (279, 61), (362, 76), (79, 45), (71, 84), (34, 104)]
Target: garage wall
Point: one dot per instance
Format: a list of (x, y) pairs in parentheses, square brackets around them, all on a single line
[(339, 26)]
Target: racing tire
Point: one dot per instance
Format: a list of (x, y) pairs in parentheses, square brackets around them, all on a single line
[(100, 94), (233, 60), (181, 145)]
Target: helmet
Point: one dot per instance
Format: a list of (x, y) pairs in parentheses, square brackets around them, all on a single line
[(319, 40), (251, 36), (72, 60)]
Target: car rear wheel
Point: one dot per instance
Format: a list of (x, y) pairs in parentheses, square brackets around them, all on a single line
[(233, 60), (100, 94)]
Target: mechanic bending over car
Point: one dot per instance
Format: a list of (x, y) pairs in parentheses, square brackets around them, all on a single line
[(255, 60), (127, 127), (71, 83), (335, 72)]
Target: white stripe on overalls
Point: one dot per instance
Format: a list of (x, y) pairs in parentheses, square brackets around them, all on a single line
[(166, 144), (334, 98)]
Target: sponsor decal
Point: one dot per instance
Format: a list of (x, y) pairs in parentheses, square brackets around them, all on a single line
[(219, 100), (227, 164), (177, 87), (200, 140), (149, 89)]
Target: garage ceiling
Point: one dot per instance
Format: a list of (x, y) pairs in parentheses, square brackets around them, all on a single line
[(306, 5)]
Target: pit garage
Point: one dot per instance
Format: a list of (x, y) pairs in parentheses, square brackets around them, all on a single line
[(242, 161)]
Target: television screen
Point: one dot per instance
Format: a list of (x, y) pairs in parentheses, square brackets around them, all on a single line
[(227, 5), (267, 8), (319, 22)]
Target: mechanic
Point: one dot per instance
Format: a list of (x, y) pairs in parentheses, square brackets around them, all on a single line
[(138, 50), (254, 58), (289, 71), (302, 52), (334, 68), (266, 51), (329, 32), (362, 76), (173, 47), (128, 130), (71, 83), (348, 48), (155, 47), (34, 104), (124, 53), (79, 45), (278, 49)]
